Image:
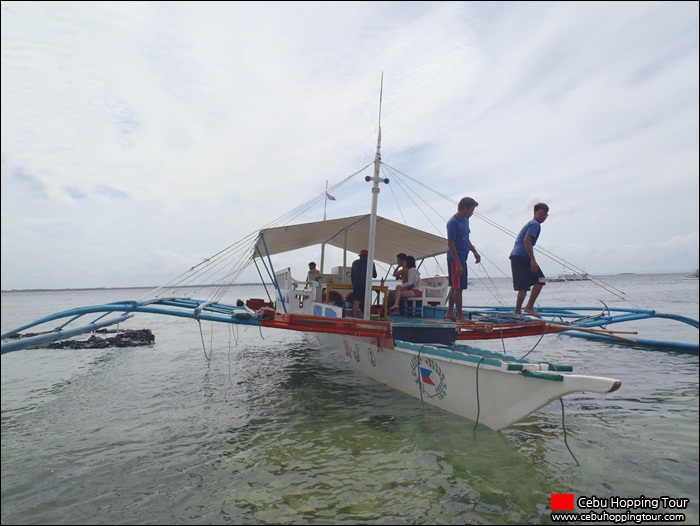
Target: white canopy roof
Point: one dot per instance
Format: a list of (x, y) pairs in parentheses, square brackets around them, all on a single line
[(352, 234)]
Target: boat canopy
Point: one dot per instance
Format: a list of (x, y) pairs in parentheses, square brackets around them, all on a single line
[(352, 234)]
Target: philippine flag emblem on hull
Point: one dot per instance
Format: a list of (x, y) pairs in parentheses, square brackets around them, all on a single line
[(429, 377), (425, 376)]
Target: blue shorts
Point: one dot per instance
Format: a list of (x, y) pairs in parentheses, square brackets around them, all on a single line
[(457, 282)]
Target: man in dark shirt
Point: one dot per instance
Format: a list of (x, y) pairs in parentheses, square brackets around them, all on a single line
[(358, 276)]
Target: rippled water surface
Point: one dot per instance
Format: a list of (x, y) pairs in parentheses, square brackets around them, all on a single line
[(258, 427)]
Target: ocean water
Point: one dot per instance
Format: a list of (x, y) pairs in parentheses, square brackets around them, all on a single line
[(223, 425)]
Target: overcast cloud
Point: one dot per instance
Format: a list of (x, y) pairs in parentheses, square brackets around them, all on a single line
[(139, 138)]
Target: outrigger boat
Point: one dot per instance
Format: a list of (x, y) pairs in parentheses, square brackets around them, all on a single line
[(418, 352), (424, 356)]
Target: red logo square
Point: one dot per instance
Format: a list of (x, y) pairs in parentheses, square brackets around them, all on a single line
[(562, 501)]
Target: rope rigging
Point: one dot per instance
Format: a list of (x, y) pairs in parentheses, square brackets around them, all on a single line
[(413, 195), (224, 269)]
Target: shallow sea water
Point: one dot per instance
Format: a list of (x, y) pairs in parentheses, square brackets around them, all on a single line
[(260, 427)]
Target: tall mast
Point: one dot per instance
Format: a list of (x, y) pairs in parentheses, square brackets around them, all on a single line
[(373, 214), (323, 245)]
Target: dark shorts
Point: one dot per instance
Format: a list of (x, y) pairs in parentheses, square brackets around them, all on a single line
[(523, 277), (457, 282), (358, 294)]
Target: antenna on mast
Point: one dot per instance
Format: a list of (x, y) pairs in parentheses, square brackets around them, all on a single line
[(373, 214), (381, 89)]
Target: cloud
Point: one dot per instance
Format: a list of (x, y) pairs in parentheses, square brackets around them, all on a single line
[(140, 136)]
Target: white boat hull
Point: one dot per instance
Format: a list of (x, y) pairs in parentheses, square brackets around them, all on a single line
[(478, 391)]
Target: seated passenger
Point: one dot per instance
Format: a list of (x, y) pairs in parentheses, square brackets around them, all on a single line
[(408, 289), (401, 271), (314, 273)]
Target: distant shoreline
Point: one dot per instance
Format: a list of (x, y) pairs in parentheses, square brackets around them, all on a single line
[(77, 289)]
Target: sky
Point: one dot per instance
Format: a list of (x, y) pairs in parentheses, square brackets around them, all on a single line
[(140, 137)]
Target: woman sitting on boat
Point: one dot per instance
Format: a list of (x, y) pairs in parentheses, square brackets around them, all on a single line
[(408, 289)]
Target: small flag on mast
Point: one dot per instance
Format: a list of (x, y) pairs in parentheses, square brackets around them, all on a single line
[(330, 197)]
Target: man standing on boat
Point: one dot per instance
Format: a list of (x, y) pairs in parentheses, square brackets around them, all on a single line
[(358, 276), (526, 272), (459, 246)]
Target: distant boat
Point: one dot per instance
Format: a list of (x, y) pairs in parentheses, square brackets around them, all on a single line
[(570, 276)]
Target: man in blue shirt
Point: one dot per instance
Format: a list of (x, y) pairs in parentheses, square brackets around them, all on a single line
[(459, 246), (526, 272)]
